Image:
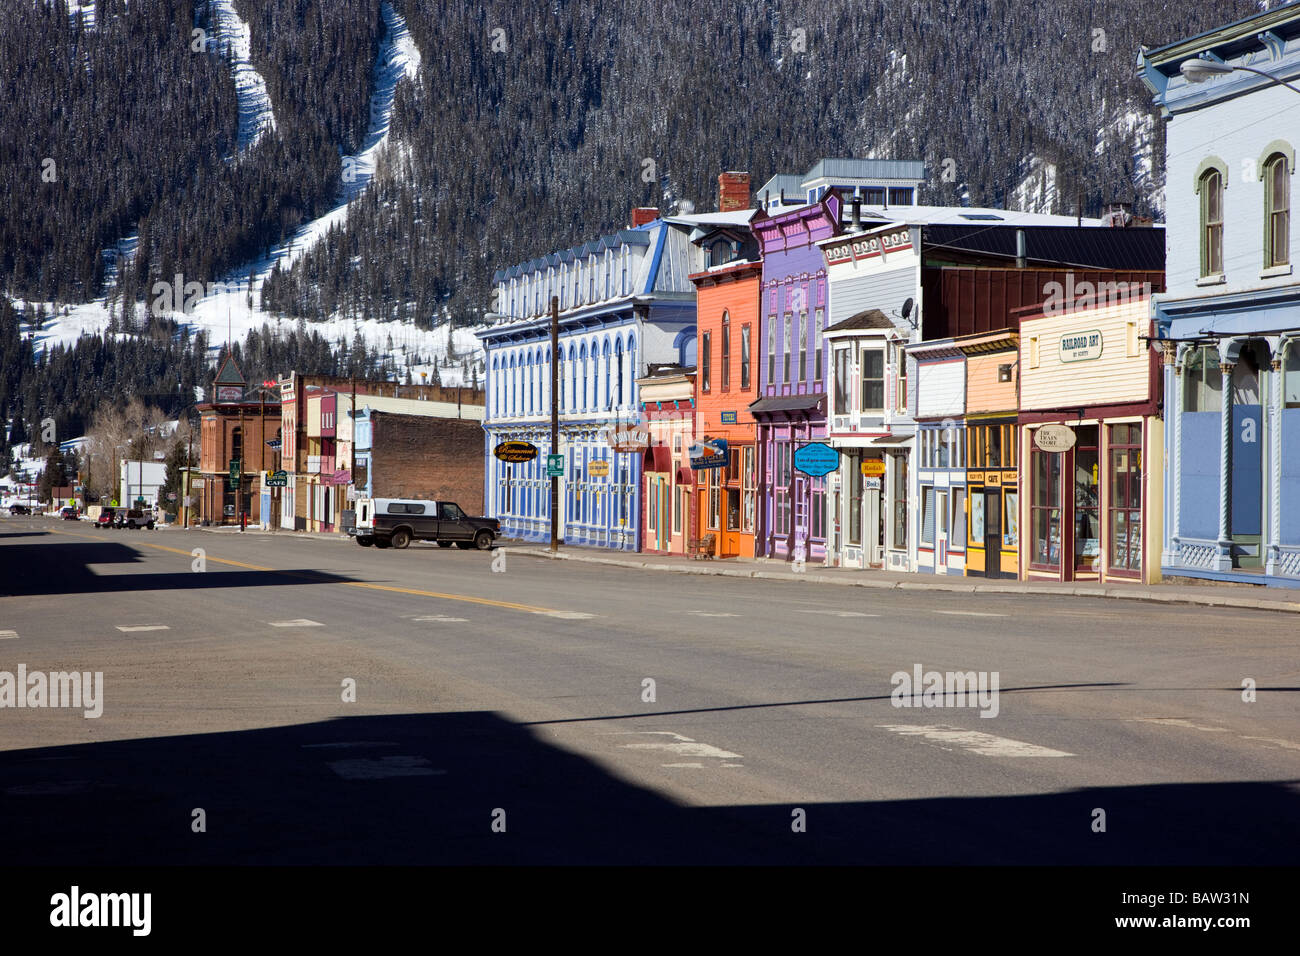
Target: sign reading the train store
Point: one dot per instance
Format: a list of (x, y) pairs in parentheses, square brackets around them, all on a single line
[(515, 451), (816, 459), (1054, 438)]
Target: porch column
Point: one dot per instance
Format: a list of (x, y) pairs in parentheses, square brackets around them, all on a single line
[(1171, 379), (1223, 553), (1272, 544)]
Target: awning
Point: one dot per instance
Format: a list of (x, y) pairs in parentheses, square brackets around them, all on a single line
[(685, 476), (786, 403), (657, 458), (892, 440)]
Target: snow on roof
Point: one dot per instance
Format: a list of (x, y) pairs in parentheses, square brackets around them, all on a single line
[(737, 217)]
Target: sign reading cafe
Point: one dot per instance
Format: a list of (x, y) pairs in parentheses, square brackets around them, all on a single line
[(1080, 346)]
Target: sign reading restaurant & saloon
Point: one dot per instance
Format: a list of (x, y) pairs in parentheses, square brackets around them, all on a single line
[(1054, 438), (515, 451), (1080, 346)]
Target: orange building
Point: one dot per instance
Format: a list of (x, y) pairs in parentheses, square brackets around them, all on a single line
[(726, 383)]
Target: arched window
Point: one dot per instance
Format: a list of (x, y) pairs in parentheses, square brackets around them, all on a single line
[(607, 396), (582, 357), (618, 361), (573, 371), (496, 387), (688, 357), (609, 270), (591, 278), (1211, 189), (1277, 211), (623, 286)]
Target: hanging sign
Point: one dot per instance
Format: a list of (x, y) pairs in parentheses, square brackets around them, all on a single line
[(873, 467), (628, 438), (1054, 438), (708, 453), (598, 468), (816, 459), (515, 451)]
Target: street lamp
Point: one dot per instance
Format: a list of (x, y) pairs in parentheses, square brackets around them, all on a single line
[(1198, 71)]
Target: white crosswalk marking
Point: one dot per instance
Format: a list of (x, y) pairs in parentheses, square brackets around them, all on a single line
[(970, 613), (300, 622), (978, 743), (128, 629), (8, 635)]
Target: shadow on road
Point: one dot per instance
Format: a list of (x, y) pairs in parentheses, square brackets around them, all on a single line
[(423, 789), (57, 568)]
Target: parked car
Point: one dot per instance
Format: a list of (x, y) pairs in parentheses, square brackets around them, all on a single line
[(135, 518), (107, 518), (17, 509), (393, 522), (68, 513)]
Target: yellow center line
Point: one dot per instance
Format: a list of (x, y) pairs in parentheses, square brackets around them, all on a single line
[(465, 598)]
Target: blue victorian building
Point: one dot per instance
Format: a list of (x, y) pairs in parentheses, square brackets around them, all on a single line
[(1229, 322), (626, 302)]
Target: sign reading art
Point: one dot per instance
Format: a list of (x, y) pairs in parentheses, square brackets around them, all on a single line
[(1054, 438), (816, 459), (515, 451), (1080, 346)]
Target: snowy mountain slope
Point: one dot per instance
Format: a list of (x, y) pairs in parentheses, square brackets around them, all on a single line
[(234, 39)]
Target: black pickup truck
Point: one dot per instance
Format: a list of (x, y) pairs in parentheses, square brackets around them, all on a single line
[(396, 522)]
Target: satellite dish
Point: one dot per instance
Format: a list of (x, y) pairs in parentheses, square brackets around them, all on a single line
[(907, 308)]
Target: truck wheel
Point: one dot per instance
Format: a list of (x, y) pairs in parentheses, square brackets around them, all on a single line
[(365, 542), (483, 540), (444, 544), (401, 538)]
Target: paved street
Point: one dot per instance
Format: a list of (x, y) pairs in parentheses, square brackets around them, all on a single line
[(518, 697)]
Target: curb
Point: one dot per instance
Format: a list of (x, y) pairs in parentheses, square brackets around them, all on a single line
[(1063, 590)]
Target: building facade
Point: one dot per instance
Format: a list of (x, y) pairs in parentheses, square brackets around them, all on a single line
[(233, 428), (1229, 321), (428, 456), (668, 485), (625, 302), (940, 372), (791, 408), (1091, 445), (728, 324)]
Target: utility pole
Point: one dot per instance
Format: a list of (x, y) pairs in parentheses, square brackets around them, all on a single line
[(555, 419)]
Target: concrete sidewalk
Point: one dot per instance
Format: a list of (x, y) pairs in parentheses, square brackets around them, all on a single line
[(1210, 595)]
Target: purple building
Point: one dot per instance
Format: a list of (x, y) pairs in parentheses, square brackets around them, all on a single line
[(791, 409)]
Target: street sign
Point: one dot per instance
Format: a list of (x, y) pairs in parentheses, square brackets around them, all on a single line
[(598, 468), (873, 468), (277, 479), (816, 459), (554, 466), (515, 451), (273, 443)]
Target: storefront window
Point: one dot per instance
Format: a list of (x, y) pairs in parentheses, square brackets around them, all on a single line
[(1087, 513), (1202, 380), (927, 514), (841, 381), (1046, 508), (1011, 520), (855, 500), (819, 508), (977, 519), (714, 489), (900, 502), (1291, 375), (748, 483), (959, 518), (1125, 499), (677, 510)]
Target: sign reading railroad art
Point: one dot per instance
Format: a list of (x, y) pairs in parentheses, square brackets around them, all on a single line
[(515, 451), (1054, 438), (1080, 346), (816, 459)]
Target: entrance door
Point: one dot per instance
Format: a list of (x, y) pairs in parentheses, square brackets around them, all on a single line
[(800, 526), (992, 532), (941, 532)]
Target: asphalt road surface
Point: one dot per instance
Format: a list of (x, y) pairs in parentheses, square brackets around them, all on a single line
[(510, 709)]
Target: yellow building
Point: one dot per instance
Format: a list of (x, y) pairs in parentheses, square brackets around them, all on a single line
[(992, 522), (1091, 441)]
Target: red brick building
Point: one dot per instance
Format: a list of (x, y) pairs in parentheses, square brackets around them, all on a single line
[(419, 456), (234, 427)]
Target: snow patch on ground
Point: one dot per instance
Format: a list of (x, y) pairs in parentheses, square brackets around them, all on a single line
[(234, 38)]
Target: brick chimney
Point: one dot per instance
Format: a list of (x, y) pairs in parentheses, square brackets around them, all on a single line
[(733, 191), (643, 214)]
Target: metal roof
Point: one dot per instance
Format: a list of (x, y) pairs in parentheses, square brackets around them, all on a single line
[(785, 403), (870, 319), (867, 169), (1139, 248)]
